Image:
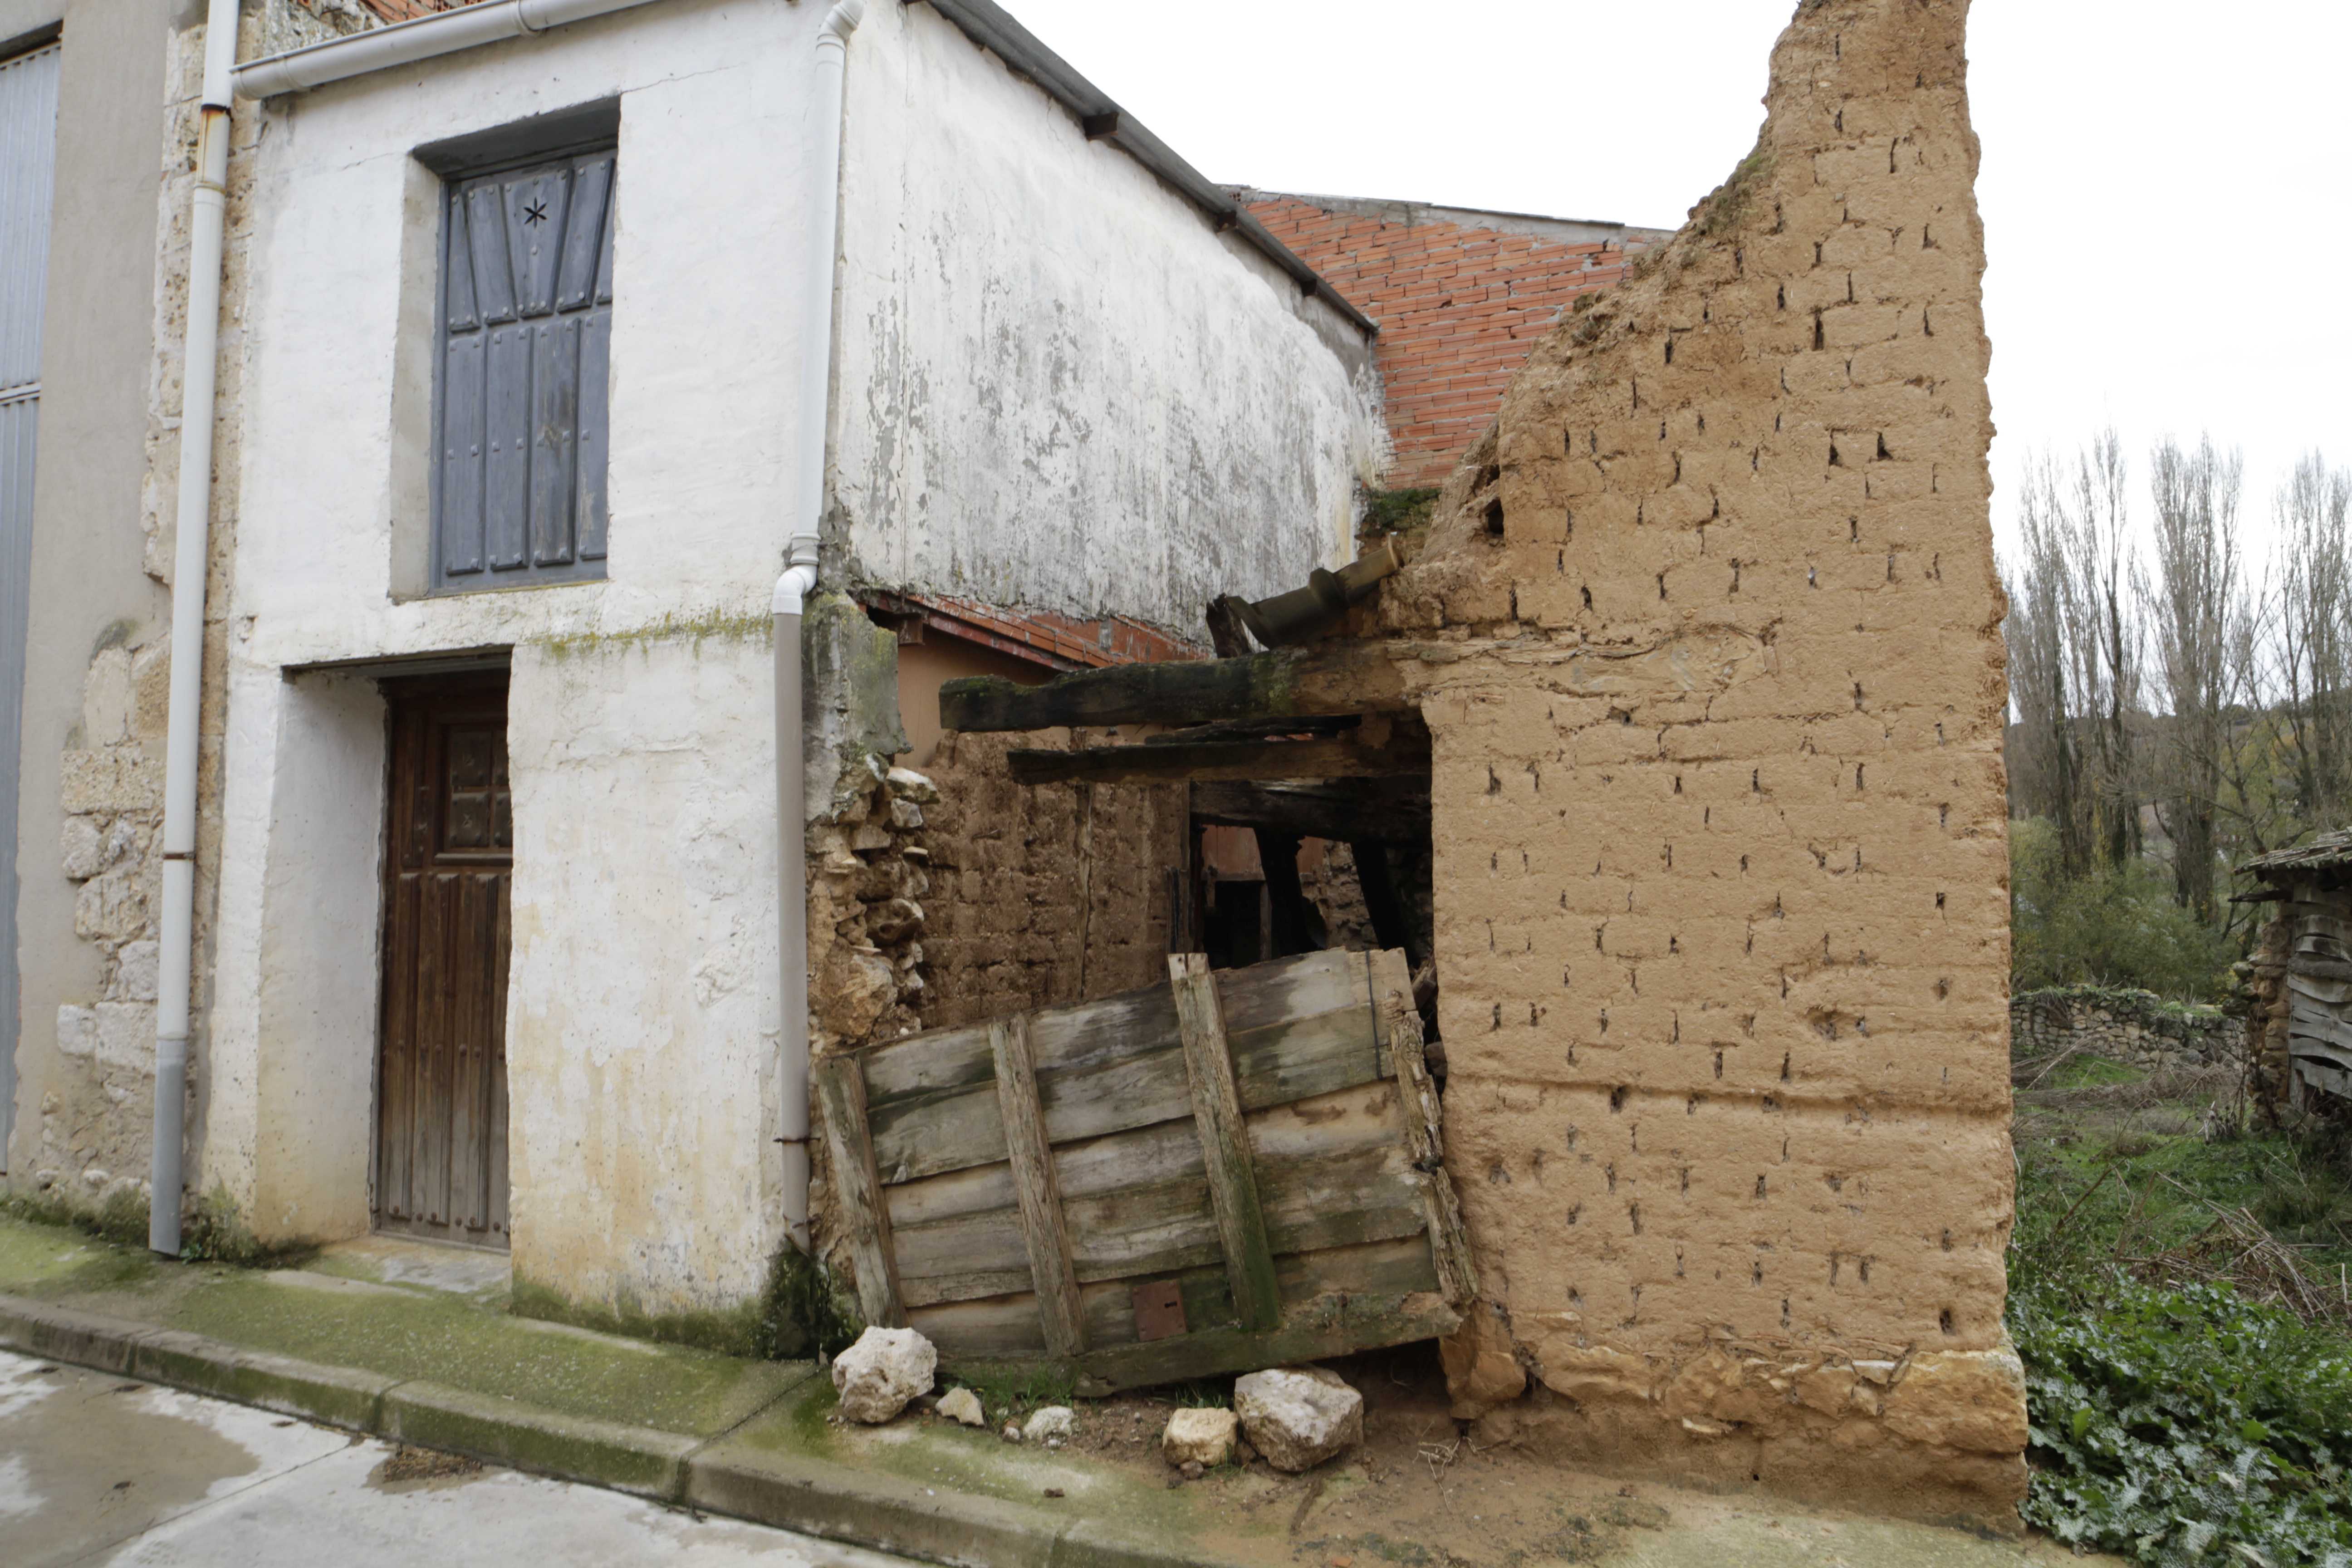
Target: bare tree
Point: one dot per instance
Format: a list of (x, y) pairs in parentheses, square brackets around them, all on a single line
[(2196, 607), (2313, 603), (2043, 765), (2075, 654)]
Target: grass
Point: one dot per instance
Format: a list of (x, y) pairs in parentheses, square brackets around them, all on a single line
[(2181, 1292)]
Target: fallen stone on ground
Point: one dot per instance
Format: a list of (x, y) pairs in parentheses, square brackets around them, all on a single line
[(1051, 1423), (878, 1375), (1298, 1416), (1199, 1436), (962, 1405)]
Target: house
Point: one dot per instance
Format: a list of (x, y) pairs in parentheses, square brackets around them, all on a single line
[(549, 338), (96, 99), (2298, 1036), (1666, 759)]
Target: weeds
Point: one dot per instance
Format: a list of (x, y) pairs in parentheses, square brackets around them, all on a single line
[(2181, 1293)]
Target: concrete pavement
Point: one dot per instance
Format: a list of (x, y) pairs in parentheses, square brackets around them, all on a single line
[(96, 1469)]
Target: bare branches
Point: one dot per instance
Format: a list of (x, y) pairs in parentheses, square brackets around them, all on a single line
[(2197, 606)]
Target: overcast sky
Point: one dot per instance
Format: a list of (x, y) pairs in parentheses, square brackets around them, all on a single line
[(2166, 193)]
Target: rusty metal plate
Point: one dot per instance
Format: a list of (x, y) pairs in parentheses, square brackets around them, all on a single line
[(1159, 1309)]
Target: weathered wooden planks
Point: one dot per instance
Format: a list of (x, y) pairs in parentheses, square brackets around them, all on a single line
[(1262, 1140), (1224, 1142), (841, 1100), (1040, 1199)]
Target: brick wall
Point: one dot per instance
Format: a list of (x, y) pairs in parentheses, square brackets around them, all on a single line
[(1460, 297)]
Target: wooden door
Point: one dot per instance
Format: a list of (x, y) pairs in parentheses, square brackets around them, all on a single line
[(441, 1084)]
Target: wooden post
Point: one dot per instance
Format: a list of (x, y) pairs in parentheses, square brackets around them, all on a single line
[(1224, 1142), (1425, 1131), (866, 1219), (1034, 1185)]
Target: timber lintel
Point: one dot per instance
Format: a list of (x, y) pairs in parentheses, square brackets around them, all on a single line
[(1324, 679)]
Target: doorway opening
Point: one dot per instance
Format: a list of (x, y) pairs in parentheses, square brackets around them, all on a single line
[(441, 1067)]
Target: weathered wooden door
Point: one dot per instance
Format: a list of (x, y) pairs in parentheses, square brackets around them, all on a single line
[(441, 1086)]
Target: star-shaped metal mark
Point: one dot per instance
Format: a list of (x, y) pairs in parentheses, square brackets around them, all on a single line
[(535, 213)]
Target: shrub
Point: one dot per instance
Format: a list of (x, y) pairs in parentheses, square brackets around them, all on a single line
[(2112, 926), (2184, 1426)]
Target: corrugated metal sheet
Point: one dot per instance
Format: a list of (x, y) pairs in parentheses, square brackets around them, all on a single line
[(28, 139), (527, 312), (28, 142)]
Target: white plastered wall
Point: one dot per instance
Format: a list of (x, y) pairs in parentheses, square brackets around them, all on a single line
[(641, 1004), (1059, 388), (642, 1007)]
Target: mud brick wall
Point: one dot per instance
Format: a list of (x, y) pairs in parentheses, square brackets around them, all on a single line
[(1707, 634), (1041, 896), (2134, 1027)]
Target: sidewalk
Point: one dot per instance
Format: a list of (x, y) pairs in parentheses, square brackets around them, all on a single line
[(439, 1365)]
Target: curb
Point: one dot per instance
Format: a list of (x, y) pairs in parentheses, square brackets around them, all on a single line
[(716, 1476)]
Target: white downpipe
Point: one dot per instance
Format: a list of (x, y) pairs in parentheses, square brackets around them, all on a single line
[(191, 560), (791, 590), (419, 38)]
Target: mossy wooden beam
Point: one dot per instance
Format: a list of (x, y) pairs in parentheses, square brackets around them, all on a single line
[(1334, 678), (1330, 758)]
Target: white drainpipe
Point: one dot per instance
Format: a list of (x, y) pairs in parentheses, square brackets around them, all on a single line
[(190, 560), (418, 38), (792, 589)]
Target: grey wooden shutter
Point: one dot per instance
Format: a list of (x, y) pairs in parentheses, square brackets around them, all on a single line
[(525, 337), (28, 143)]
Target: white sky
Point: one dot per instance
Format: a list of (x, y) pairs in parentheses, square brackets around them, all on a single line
[(2167, 188)]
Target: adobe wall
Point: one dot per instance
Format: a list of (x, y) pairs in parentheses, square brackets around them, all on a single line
[(1045, 895), (1708, 636)]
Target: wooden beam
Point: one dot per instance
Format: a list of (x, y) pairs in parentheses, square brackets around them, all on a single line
[(1286, 905), (1333, 757), (1225, 1144), (1449, 1241), (1339, 678), (1037, 1192), (1337, 809), (841, 1098)]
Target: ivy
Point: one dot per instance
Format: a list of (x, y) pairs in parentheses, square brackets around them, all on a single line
[(2184, 1426)]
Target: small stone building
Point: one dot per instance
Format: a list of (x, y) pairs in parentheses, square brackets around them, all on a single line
[(2299, 1028)]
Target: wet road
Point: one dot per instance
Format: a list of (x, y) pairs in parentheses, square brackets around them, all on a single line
[(95, 1470)]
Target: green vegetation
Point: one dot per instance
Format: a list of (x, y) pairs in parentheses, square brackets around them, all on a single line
[(1014, 1389), (2110, 926), (1397, 511), (2180, 1289)]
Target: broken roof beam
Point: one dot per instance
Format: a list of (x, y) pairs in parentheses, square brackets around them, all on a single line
[(1343, 677), (1325, 758), (1346, 809)]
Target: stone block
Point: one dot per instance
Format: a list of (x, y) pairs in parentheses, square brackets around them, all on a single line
[(115, 778)]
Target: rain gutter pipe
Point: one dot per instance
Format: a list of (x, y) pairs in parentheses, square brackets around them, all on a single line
[(418, 38), (192, 554), (799, 580)]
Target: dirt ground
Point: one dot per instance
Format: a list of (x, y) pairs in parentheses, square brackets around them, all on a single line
[(1421, 1493)]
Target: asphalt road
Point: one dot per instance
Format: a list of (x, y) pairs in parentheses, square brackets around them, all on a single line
[(96, 1469)]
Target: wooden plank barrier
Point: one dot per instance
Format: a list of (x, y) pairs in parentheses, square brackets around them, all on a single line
[(1235, 1170)]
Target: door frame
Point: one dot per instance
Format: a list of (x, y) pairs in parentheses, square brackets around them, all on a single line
[(402, 683)]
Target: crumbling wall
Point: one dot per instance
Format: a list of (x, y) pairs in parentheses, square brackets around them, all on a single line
[(1709, 647), (1042, 895)]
